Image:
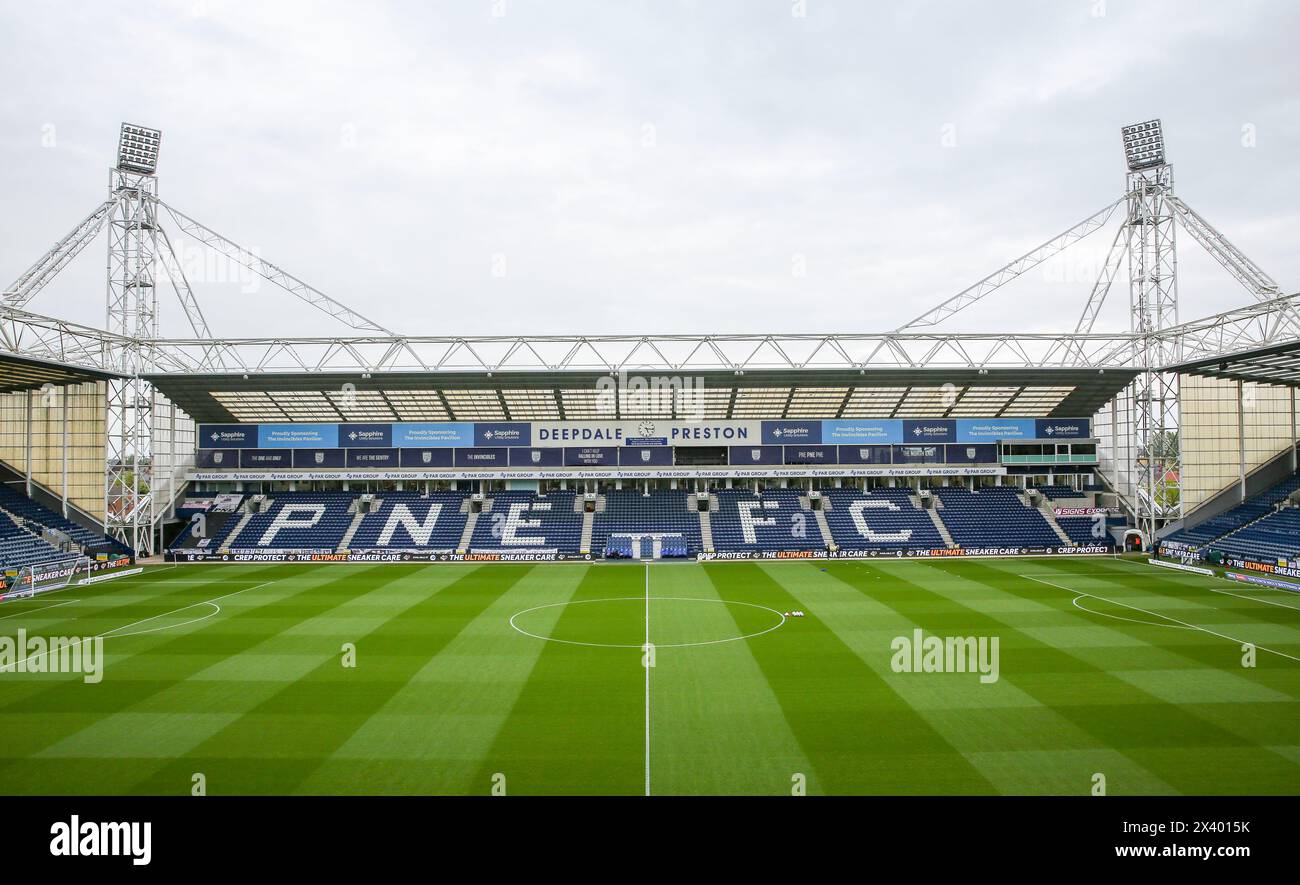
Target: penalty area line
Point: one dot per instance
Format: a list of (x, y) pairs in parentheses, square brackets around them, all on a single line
[(1144, 611)]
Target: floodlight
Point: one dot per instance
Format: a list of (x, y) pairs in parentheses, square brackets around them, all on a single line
[(1144, 145), (137, 149)]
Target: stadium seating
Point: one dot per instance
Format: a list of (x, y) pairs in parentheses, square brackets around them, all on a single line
[(662, 514), (19, 547), (1231, 520), (1080, 530), (993, 517), (303, 521), (881, 519), (1057, 493), (90, 541), (1276, 536), (771, 520), (402, 522), (528, 522)]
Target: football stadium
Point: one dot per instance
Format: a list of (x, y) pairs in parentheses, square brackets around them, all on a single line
[(905, 562)]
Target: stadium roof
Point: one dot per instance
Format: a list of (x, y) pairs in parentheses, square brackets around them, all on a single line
[(26, 373), (575, 396), (1279, 364)]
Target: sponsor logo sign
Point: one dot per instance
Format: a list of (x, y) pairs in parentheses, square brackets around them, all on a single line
[(1063, 428), (433, 435), (863, 431), (791, 432), (227, 436), (297, 436), (363, 436), (503, 433), (992, 430), (930, 430)]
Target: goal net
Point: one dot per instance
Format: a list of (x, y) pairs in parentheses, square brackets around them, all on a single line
[(43, 577)]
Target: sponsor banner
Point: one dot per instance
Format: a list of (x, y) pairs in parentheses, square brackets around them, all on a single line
[(537, 457), (810, 454), (1087, 511), (932, 430), (863, 431), (227, 436), (648, 432), (366, 436), (1263, 582), (424, 458), (866, 455), (645, 456), (372, 556), (482, 457), (1182, 567), (297, 436), (380, 459), (979, 453), (1063, 428), (738, 455), (265, 459), (993, 430), (843, 553), (503, 433), (1267, 568), (792, 432), (433, 435), (591, 456), (308, 459), (503, 473), (217, 459)]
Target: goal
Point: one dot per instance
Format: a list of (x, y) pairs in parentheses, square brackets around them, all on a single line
[(43, 577)]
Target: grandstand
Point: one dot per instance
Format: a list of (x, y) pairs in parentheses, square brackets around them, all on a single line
[(911, 442), (822, 494)]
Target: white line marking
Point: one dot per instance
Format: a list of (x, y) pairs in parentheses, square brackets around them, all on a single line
[(211, 602), (33, 611), (1256, 599), (1079, 593), (647, 679), (519, 629)]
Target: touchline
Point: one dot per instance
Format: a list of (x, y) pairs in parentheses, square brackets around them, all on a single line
[(73, 838)]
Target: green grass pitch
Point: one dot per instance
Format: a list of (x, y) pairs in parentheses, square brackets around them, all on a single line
[(535, 673)]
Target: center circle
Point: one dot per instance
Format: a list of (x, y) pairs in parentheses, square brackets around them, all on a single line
[(620, 622)]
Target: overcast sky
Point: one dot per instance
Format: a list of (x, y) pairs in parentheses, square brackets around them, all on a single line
[(546, 166)]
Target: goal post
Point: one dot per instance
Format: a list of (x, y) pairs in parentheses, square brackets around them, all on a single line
[(43, 577)]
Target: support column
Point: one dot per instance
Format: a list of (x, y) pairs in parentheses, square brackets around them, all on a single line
[(27, 448), (1295, 443), (1241, 442), (65, 452)]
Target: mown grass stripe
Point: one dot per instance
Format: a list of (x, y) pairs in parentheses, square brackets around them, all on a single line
[(860, 735), (69, 706), (1123, 717), (433, 735), (718, 727), (578, 725), (281, 740)]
